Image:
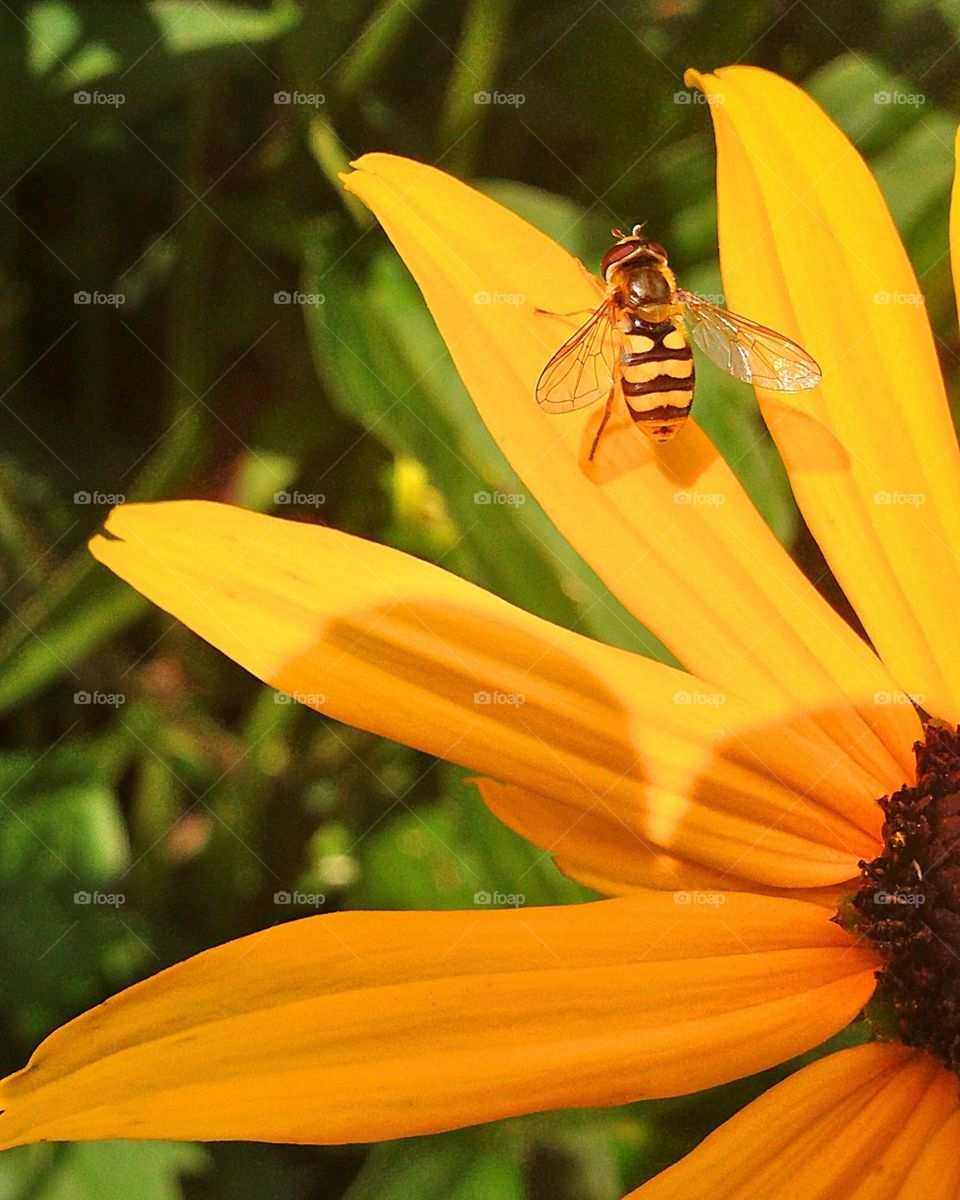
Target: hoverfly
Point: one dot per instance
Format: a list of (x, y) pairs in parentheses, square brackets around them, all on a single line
[(636, 344)]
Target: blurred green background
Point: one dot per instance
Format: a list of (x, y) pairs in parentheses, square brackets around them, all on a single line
[(188, 307)]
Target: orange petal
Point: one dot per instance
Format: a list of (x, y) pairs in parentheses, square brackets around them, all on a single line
[(604, 848), (668, 528), (391, 644), (876, 1122), (808, 246), (363, 1026)]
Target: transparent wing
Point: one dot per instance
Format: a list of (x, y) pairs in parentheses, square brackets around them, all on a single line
[(583, 369), (749, 351)]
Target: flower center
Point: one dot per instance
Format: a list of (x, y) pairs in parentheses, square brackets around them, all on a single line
[(909, 900)]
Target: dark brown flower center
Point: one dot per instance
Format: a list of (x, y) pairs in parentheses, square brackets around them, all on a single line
[(908, 904)]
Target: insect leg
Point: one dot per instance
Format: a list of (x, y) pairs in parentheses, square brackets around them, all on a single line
[(603, 421), (546, 312)]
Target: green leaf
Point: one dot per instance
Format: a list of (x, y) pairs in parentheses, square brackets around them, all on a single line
[(473, 1165), (77, 612), (77, 829), (72, 45), (455, 854), (99, 1171), (187, 27), (53, 29)]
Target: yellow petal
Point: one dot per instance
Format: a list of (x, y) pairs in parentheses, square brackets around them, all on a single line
[(955, 222), (603, 847), (668, 529), (391, 644), (808, 247), (363, 1026), (935, 1171), (870, 1123)]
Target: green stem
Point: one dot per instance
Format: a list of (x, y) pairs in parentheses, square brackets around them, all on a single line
[(188, 353), (372, 51), (478, 59), (79, 606), (332, 159)]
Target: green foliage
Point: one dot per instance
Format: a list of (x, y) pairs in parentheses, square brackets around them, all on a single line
[(99, 1171), (183, 157)]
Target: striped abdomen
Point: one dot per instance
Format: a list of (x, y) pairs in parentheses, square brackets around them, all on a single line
[(657, 375)]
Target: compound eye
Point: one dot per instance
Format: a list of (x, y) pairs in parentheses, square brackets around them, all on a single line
[(657, 249)]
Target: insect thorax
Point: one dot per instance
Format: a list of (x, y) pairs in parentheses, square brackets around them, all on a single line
[(646, 283), (645, 296)]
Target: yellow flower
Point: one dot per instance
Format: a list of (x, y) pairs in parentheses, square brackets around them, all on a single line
[(725, 806)]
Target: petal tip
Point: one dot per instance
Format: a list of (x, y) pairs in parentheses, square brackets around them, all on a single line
[(99, 544)]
